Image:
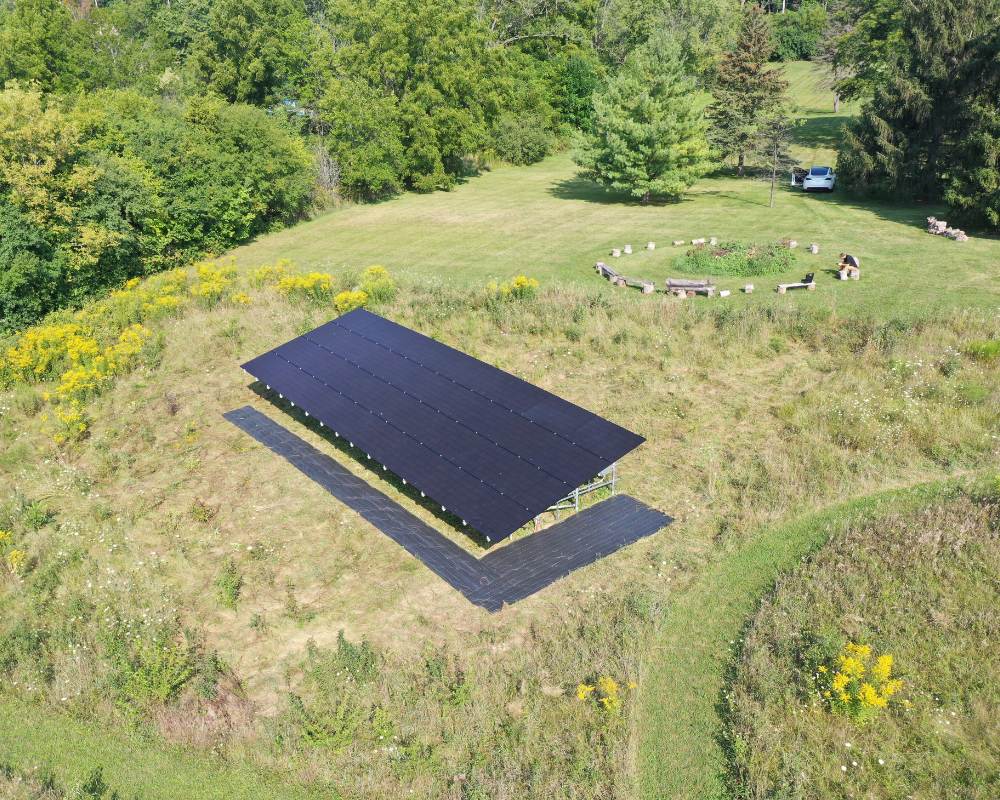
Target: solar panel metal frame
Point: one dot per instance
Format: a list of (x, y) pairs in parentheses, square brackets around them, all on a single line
[(491, 448)]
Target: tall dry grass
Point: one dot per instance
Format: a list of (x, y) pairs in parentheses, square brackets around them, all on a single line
[(751, 416)]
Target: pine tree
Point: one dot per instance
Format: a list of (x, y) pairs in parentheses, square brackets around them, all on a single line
[(930, 127), (972, 186), (649, 129), (747, 89)]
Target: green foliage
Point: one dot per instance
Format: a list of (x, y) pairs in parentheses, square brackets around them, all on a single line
[(522, 138), (575, 80), (931, 129), (357, 660), (377, 283), (441, 100), (229, 584), (984, 350), (364, 138), (149, 665), (37, 43), (735, 259), (972, 182), (330, 725), (253, 51), (112, 185), (747, 91), (649, 129), (797, 34)]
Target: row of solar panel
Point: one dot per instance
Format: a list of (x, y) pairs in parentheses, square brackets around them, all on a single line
[(490, 420), (492, 448), (584, 428), (484, 507)]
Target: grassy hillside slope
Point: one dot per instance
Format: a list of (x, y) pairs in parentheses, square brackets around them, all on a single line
[(917, 585), (682, 748), (180, 580)]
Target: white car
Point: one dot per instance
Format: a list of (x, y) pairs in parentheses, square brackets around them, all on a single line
[(819, 179)]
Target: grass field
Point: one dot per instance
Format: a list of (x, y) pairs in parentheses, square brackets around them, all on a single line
[(182, 586), (546, 221), (69, 750)]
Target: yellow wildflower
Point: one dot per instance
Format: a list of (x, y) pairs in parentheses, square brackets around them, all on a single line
[(16, 559), (348, 301), (883, 668)]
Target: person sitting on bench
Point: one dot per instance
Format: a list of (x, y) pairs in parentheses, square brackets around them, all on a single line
[(849, 266), (809, 278)]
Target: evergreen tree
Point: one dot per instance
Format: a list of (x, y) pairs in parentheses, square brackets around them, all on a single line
[(747, 90), (930, 129), (972, 186), (649, 129)]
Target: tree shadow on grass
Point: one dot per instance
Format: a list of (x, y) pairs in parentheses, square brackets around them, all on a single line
[(820, 131), (582, 188), (375, 474)]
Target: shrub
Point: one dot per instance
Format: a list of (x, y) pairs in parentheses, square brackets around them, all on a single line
[(520, 287), (153, 670), (378, 284), (797, 34), (192, 179), (984, 349), (735, 259), (522, 138), (13, 556), (358, 660), (270, 274), (229, 584), (605, 693), (315, 286)]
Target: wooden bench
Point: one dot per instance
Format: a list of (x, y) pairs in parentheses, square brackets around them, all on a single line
[(620, 280), (647, 286), (686, 287)]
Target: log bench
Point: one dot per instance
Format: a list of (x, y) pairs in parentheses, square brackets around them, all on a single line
[(686, 287), (620, 280)]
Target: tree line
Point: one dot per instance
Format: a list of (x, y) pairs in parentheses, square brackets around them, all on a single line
[(135, 134)]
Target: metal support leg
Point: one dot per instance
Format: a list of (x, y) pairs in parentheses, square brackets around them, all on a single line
[(614, 477)]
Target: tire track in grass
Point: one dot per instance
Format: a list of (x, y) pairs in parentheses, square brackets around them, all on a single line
[(678, 719)]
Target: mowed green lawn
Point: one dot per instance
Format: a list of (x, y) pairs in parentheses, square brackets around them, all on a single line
[(548, 222)]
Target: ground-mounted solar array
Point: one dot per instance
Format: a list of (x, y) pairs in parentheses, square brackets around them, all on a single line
[(506, 575), (494, 450)]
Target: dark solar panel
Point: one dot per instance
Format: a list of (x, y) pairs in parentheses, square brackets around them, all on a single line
[(491, 448)]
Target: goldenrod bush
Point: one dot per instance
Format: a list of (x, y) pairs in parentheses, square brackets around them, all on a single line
[(378, 284), (350, 300), (316, 286), (858, 683), (520, 287)]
